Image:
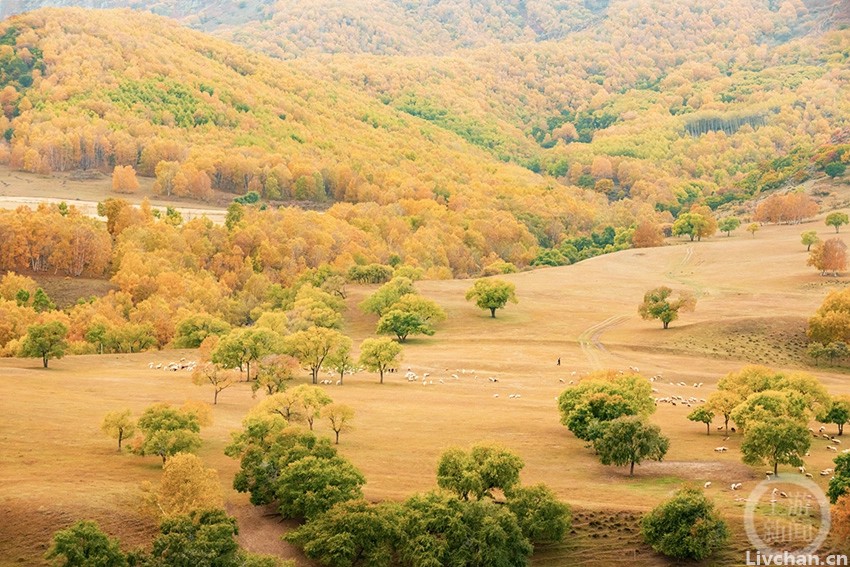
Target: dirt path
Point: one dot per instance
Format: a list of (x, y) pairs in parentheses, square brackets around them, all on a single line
[(591, 343)]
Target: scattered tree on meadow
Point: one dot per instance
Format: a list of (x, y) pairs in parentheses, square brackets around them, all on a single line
[(838, 412), (214, 375), (311, 400), (124, 179), (829, 256), (119, 425), (410, 315), (695, 224), (185, 486), (752, 228), (685, 527), (658, 304), (377, 355), (703, 414), (628, 440), (775, 442), (339, 417), (602, 397), (475, 474), (728, 224), (273, 373), (167, 431), (341, 360), (723, 402), (312, 346), (791, 207), (836, 219), (46, 341), (241, 347), (492, 294), (387, 295), (83, 544), (808, 238)]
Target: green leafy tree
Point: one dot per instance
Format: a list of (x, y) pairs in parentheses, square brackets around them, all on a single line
[(387, 295), (311, 485), (353, 533), (339, 417), (274, 372), (839, 484), (192, 330), (703, 414), (402, 324), (41, 302), (835, 219), (754, 379), (377, 355), (22, 297), (658, 304), (808, 238), (438, 529), (241, 347), (724, 403), (46, 340), (753, 228), (685, 527), (340, 360), (602, 397), (200, 539), (312, 346), (838, 413), (410, 315), (629, 440), (728, 224), (693, 225), (492, 294), (542, 518), (84, 545), (835, 169), (775, 442), (119, 425), (168, 431), (769, 405), (478, 472), (311, 400)]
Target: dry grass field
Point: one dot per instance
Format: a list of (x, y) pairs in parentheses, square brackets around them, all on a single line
[(754, 295)]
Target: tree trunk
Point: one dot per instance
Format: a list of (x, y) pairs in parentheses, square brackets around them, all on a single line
[(841, 429), (120, 438), (381, 372), (215, 396), (632, 470), (775, 468), (493, 312), (337, 437), (315, 373), (341, 376), (726, 423), (665, 323), (708, 428), (248, 369), (44, 360)]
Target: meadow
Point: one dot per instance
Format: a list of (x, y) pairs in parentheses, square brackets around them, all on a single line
[(754, 294)]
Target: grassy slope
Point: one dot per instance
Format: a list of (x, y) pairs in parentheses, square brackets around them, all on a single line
[(50, 419)]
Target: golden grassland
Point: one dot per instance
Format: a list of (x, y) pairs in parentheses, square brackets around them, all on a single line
[(754, 294)]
